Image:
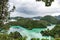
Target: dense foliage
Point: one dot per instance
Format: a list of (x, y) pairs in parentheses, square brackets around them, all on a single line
[(3, 11), (50, 19), (12, 36), (47, 2), (35, 39), (28, 23), (55, 32), (15, 35)]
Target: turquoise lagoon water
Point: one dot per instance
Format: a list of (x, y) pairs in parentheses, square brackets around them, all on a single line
[(34, 33)]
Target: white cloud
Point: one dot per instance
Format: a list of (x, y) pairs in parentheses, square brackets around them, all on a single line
[(28, 8)]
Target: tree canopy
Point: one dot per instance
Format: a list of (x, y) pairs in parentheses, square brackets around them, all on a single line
[(47, 2), (49, 19), (3, 11)]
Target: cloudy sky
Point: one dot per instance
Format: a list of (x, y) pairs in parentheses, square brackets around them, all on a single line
[(31, 8)]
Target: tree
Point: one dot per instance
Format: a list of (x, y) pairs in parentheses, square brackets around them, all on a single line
[(15, 35), (47, 2), (4, 13), (3, 10)]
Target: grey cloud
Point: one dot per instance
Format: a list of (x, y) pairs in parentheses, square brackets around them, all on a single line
[(27, 11), (32, 8)]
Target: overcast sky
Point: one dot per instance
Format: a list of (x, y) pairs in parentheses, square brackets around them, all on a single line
[(30, 8)]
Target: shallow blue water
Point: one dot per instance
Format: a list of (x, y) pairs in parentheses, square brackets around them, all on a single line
[(34, 33)]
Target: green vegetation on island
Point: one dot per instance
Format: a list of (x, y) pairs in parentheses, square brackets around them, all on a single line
[(26, 23)]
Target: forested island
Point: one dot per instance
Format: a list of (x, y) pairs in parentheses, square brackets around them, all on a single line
[(28, 23)]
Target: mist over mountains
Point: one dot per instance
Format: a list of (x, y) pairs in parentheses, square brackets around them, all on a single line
[(34, 18)]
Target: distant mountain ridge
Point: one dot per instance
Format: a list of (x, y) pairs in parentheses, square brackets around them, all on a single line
[(58, 17), (35, 18), (38, 17)]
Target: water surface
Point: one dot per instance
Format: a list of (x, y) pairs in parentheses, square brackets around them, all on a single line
[(34, 33)]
